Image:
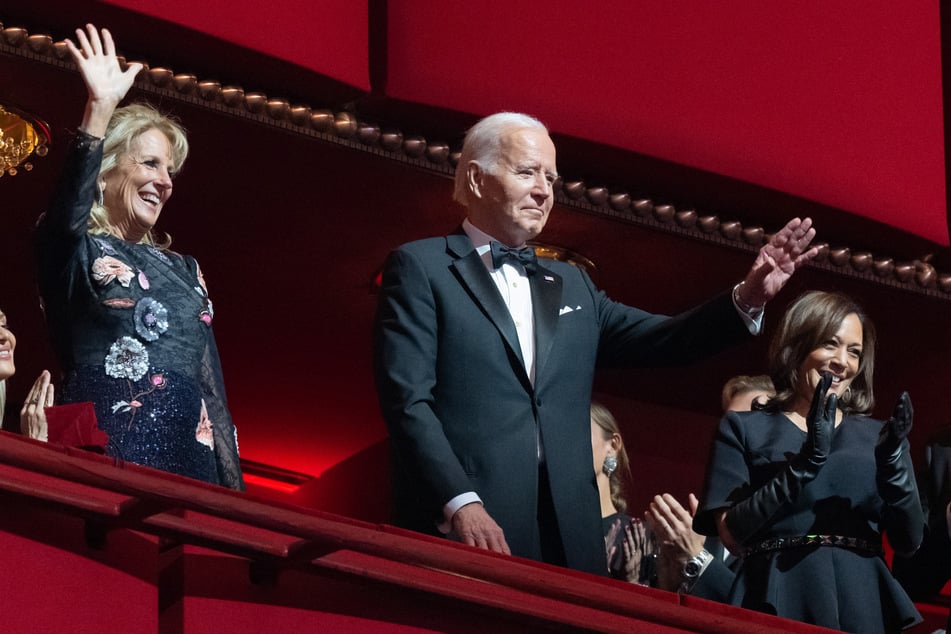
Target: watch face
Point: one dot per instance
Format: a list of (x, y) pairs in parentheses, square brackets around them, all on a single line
[(692, 568)]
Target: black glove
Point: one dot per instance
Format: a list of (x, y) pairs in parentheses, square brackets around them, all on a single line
[(747, 517), (894, 475), (894, 431)]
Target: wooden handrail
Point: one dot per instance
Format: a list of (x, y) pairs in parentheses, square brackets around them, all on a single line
[(193, 512)]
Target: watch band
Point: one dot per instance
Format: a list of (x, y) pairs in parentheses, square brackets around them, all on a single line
[(693, 568), (752, 311)]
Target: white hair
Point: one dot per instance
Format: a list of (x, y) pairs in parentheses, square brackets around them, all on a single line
[(482, 144)]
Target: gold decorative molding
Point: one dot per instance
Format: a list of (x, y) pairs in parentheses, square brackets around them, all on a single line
[(345, 128)]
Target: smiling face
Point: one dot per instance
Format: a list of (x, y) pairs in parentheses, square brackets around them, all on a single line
[(7, 345), (136, 190), (840, 355), (511, 200)]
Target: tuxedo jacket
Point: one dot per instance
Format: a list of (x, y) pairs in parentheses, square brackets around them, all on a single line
[(461, 411), (717, 579)]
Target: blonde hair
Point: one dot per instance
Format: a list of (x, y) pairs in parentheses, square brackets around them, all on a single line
[(126, 125), (3, 399), (603, 418)]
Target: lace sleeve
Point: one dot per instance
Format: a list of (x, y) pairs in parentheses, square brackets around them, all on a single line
[(226, 434), (67, 217), (216, 402)]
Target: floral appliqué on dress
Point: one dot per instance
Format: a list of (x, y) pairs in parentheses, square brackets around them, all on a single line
[(204, 433), (105, 269), (151, 319), (128, 359)]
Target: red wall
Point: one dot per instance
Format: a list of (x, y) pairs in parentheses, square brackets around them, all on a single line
[(838, 102)]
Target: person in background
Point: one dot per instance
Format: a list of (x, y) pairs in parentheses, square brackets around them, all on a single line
[(743, 393), (689, 562), (41, 396), (130, 320), (804, 488), (924, 574), (484, 357), (630, 548)]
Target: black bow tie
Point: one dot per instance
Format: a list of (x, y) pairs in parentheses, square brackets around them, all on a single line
[(524, 256)]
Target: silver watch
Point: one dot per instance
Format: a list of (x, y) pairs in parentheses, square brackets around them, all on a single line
[(693, 568)]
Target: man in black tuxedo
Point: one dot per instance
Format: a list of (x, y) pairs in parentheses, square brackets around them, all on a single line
[(925, 573), (484, 358)]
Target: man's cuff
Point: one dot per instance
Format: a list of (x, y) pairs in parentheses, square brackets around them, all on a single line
[(752, 316), (453, 505)]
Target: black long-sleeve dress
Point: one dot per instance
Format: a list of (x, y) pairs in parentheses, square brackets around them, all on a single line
[(131, 327), (832, 586)]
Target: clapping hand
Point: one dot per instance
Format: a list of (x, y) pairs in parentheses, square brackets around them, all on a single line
[(820, 424), (672, 525), (33, 414), (639, 551), (895, 478), (895, 429)]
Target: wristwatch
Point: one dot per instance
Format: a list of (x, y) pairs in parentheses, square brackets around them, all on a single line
[(751, 311), (693, 569)]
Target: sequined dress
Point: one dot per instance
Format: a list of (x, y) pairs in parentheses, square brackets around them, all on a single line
[(835, 587), (131, 327)]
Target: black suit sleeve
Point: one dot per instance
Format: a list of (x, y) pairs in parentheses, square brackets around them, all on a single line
[(633, 337), (717, 579), (405, 359)]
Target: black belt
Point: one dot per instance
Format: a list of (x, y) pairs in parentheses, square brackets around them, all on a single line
[(838, 541)]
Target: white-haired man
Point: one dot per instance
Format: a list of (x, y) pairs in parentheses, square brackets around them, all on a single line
[(484, 357)]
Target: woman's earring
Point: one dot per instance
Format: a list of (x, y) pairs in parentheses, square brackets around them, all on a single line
[(100, 194), (610, 465)]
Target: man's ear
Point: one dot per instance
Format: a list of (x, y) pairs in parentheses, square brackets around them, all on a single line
[(474, 178)]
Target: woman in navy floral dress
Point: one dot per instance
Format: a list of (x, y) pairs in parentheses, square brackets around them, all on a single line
[(130, 319)]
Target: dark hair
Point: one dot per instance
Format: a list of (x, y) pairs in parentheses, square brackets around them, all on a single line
[(812, 319), (605, 420)]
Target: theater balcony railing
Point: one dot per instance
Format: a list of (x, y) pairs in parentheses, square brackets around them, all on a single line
[(87, 544)]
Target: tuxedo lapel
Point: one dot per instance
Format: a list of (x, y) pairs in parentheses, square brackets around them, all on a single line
[(472, 273), (546, 302)]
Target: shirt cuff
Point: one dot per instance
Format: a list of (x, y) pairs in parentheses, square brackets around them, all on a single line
[(453, 505), (752, 316), (947, 515)]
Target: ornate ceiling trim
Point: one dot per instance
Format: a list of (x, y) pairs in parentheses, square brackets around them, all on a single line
[(344, 128)]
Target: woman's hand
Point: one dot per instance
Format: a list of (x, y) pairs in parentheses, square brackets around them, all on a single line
[(106, 82), (33, 414), (639, 549)]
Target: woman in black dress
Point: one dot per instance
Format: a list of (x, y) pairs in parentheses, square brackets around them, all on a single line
[(803, 488), (629, 545), (130, 320)]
